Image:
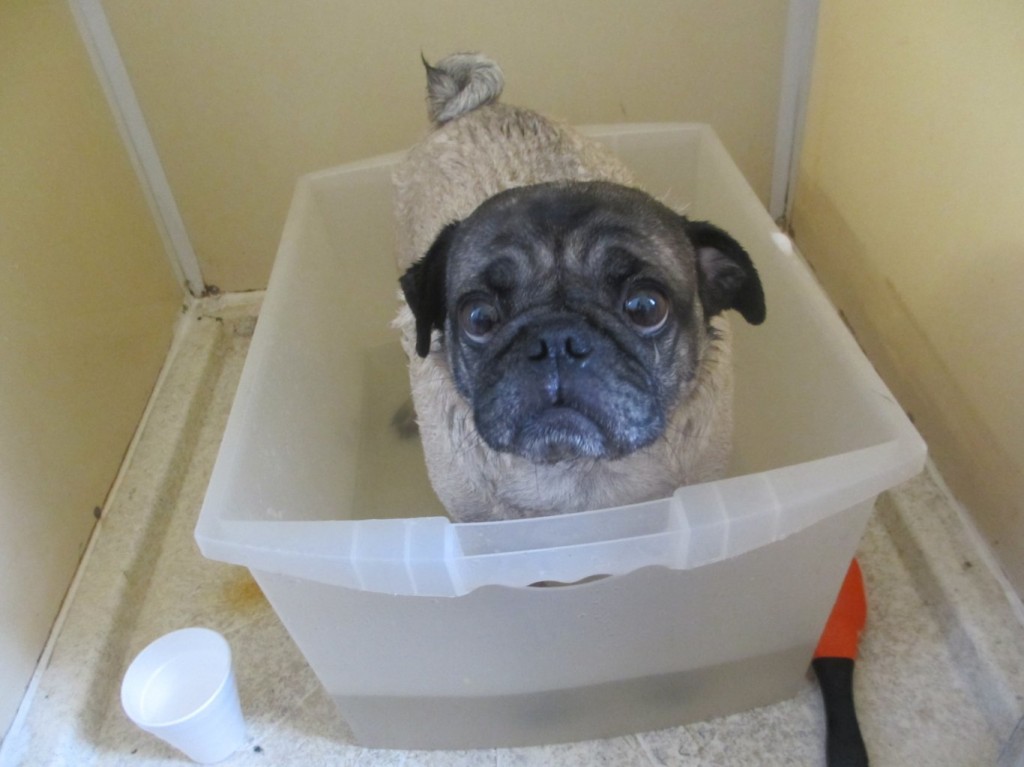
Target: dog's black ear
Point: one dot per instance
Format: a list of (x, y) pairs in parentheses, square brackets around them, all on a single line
[(424, 287), (727, 277)]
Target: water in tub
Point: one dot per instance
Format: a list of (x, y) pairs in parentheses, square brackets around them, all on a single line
[(391, 476)]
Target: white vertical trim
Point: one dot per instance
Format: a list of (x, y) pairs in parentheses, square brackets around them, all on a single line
[(797, 60), (106, 59)]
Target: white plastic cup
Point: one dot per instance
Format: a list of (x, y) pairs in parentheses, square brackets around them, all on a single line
[(182, 689)]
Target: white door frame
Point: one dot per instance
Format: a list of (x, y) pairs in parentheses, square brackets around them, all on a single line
[(797, 61), (106, 60)]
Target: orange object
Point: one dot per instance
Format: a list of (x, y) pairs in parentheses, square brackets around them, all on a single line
[(833, 664), (849, 614)]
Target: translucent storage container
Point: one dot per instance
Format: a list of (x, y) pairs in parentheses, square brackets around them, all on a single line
[(429, 634)]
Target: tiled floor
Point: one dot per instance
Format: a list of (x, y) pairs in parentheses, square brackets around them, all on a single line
[(940, 680)]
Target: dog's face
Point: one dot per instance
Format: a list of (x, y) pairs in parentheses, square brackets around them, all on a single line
[(574, 314)]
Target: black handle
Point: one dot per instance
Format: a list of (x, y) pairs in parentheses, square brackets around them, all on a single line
[(844, 746)]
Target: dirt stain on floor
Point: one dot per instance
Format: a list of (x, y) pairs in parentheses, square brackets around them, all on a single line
[(243, 594)]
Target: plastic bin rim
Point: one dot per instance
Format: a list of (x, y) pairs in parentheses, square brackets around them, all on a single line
[(246, 543)]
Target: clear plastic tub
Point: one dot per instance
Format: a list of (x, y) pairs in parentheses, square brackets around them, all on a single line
[(428, 634)]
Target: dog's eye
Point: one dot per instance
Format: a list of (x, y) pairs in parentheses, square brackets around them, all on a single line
[(478, 318), (646, 308)]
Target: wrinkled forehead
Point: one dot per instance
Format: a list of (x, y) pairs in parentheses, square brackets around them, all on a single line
[(583, 230)]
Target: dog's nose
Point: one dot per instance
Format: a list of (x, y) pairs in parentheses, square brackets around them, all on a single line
[(552, 343)]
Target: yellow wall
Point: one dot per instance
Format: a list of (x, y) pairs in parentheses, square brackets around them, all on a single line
[(910, 204), (242, 96), (87, 305)]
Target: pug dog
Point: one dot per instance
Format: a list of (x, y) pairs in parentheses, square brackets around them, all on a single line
[(567, 342)]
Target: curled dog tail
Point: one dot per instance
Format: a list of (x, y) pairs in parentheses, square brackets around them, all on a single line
[(460, 83)]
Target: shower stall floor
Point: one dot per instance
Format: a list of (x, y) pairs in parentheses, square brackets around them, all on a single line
[(939, 681)]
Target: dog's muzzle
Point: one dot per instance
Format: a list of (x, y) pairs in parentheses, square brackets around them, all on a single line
[(566, 391)]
